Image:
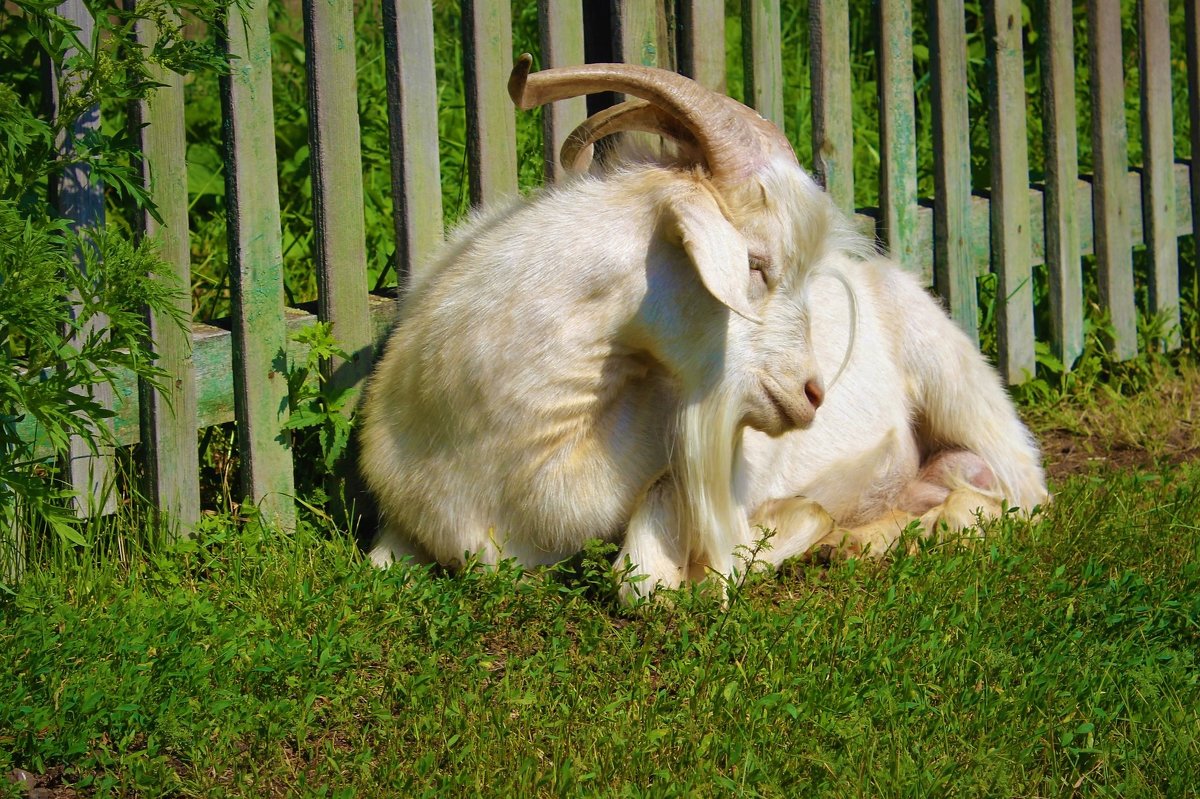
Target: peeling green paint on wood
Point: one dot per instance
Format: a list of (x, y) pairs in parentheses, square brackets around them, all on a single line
[(953, 276), (413, 135), (80, 198), (1062, 220), (1010, 218), (336, 167), (1111, 202), (832, 104), (762, 42), (1158, 153), (491, 120), (561, 32), (168, 417), (897, 132), (256, 266)]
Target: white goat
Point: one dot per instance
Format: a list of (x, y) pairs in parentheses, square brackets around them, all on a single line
[(638, 356)]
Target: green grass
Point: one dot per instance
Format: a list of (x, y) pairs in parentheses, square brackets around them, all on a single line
[(1052, 658)]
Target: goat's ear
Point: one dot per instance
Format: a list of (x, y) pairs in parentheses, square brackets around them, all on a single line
[(716, 249)]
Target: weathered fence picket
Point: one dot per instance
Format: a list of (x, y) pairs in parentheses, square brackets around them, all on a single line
[(1061, 203), (256, 263), (168, 411), (1192, 37), (336, 156), (636, 35), (833, 129), (560, 31), (1011, 247), (81, 199), (236, 371), (491, 121), (897, 132), (1158, 148), (412, 133), (1110, 186), (953, 276), (763, 66), (701, 44), (637, 39)]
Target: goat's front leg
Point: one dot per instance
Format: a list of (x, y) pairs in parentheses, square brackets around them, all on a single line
[(795, 524), (654, 549)]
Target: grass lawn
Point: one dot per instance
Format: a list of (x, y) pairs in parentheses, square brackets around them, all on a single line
[(1054, 658)]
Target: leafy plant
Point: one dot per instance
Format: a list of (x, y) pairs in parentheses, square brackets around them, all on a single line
[(320, 409), (318, 404), (73, 298)]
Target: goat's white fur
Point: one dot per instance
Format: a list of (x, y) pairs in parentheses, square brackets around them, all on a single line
[(563, 372)]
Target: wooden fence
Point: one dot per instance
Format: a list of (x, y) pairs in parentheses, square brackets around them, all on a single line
[(235, 370)]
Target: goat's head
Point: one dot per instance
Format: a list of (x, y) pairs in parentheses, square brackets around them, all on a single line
[(752, 223)]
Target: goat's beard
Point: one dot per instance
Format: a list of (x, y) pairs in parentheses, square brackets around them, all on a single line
[(712, 519)]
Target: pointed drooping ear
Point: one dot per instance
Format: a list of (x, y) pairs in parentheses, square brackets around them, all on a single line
[(715, 248)]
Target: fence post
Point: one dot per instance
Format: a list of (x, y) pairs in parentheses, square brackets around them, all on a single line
[(1061, 207), (762, 43), (413, 134), (1110, 183), (636, 35), (832, 104), (491, 120), (81, 199), (168, 414), (1192, 22), (336, 159), (636, 39), (701, 42), (897, 132), (560, 29), (1158, 164), (256, 263), (1012, 248), (954, 276)]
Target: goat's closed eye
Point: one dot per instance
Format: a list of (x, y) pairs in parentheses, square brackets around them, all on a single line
[(760, 278)]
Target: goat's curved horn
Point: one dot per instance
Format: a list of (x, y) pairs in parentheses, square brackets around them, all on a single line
[(639, 115), (734, 140)]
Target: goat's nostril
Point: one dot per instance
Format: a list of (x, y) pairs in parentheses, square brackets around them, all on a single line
[(815, 392)]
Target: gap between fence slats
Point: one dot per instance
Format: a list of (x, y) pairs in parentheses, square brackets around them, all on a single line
[(897, 132), (702, 42), (1062, 248), (762, 43), (560, 28), (259, 336), (413, 134), (168, 412), (832, 104), (1114, 257), (953, 277), (491, 124), (336, 166), (80, 199), (1158, 158), (1010, 219)]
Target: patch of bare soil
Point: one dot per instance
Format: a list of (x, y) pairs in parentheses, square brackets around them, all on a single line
[(42, 786), (1150, 430)]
